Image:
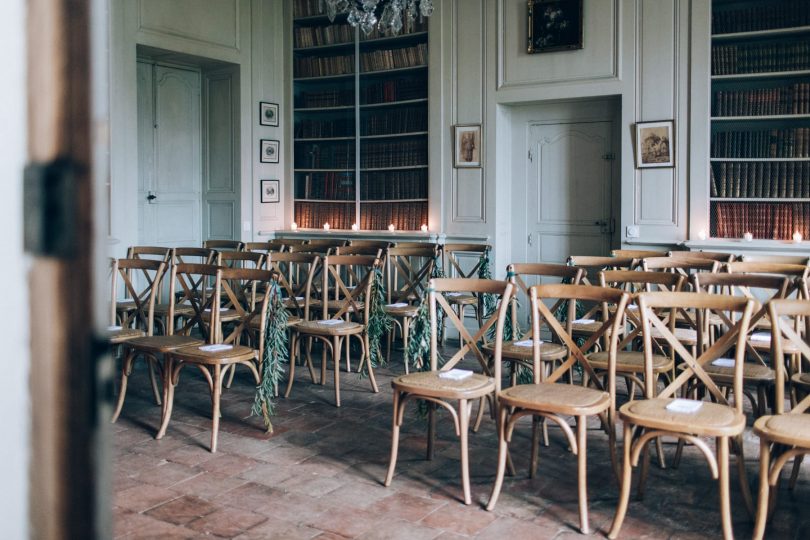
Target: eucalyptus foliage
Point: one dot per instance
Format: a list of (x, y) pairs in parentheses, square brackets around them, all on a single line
[(379, 322), (275, 354)]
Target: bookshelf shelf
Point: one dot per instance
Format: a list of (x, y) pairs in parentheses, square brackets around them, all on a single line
[(760, 121), (359, 137)]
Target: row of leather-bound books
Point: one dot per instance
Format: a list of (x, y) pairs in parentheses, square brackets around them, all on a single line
[(784, 179), (771, 221)]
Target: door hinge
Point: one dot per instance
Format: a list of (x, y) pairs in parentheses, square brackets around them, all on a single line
[(49, 207), (610, 156), (531, 156)]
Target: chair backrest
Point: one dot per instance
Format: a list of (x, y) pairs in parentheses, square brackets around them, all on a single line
[(653, 304), (381, 244), (316, 249), (415, 244), (293, 271), (269, 246), (592, 265), (165, 254), (798, 273), (468, 343), (245, 290), (408, 271), (224, 245), (242, 259), (453, 259), (520, 273), (142, 292), (327, 242), (718, 256), (541, 294), (343, 299), (790, 331), (779, 259), (375, 251), (637, 253), (685, 266), (199, 286), (195, 255)]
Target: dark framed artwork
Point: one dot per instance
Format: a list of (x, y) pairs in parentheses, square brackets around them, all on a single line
[(554, 25), (269, 191), (655, 144), (268, 151), (268, 114)]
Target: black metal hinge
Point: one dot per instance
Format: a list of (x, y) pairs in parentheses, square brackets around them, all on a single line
[(49, 208)]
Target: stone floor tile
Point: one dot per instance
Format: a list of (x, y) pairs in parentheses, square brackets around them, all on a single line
[(459, 518), (143, 497), (227, 522), (181, 510)]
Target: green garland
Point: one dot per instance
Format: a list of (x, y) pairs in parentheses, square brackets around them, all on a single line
[(275, 354), (418, 353), (485, 272), (379, 322)]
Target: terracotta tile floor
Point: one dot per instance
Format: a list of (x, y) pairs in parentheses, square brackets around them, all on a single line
[(319, 475)]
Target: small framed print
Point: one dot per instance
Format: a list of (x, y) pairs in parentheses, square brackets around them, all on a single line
[(268, 151), (654, 144), (270, 191), (268, 114), (467, 145)]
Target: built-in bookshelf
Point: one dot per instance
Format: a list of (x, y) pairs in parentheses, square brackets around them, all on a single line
[(360, 119), (760, 119)]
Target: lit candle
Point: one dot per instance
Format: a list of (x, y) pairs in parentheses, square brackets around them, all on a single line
[(702, 234), (355, 227), (797, 237), (748, 236), (424, 228), (326, 226), (293, 225), (391, 228)]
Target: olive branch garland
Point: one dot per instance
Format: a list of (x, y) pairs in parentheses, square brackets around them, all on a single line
[(275, 354), (379, 322)]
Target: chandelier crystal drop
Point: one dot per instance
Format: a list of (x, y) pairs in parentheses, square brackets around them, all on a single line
[(363, 13)]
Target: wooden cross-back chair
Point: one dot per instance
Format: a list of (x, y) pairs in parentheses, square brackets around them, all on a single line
[(434, 387), (268, 246), (803, 260), (719, 256), (661, 416), (154, 347), (326, 242), (637, 253), (686, 266), (800, 274), (547, 396), (239, 260), (183, 255), (336, 318), (165, 254), (223, 351), (453, 265), (315, 249), (761, 289), (291, 271), (379, 244), (408, 270), (224, 245), (783, 436), (141, 279)]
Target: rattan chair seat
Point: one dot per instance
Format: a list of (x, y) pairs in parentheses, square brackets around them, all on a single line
[(788, 429), (428, 383), (590, 328), (712, 419), (788, 347), (402, 311), (566, 399), (179, 309), (465, 299), (162, 344), (318, 329), (548, 351), (292, 320), (119, 336), (630, 361), (752, 373), (238, 353), (800, 379), (687, 336)]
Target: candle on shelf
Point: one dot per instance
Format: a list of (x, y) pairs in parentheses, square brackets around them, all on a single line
[(293, 225), (326, 226), (748, 236), (391, 228), (424, 228), (355, 227), (797, 237), (702, 234)]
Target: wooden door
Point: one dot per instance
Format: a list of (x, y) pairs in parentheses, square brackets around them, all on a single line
[(169, 142), (568, 195)]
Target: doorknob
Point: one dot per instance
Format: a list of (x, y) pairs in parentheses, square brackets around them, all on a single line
[(602, 223), (151, 197)]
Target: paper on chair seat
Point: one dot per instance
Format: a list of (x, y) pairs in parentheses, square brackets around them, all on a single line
[(397, 304), (723, 362), (681, 405), (217, 347), (454, 294), (524, 343), (221, 308), (761, 336), (330, 321), (455, 374), (113, 328), (584, 321), (632, 306)]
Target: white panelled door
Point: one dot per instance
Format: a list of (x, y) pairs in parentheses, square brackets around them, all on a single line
[(568, 190), (169, 156)]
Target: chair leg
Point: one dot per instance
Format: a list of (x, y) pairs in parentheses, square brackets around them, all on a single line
[(464, 428), (535, 447), (126, 369), (645, 469), (168, 395), (392, 462), (232, 372), (627, 478), (431, 437), (153, 379), (745, 487), (336, 342), (215, 400), (406, 321), (725, 500), (582, 473), (794, 475), (762, 500), (479, 416), (294, 353), (503, 451), (366, 345)]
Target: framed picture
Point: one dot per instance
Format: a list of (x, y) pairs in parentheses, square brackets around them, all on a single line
[(269, 191), (268, 114), (268, 151), (554, 25), (654, 144), (467, 145)]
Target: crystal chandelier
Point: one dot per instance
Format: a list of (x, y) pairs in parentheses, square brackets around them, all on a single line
[(362, 13)]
